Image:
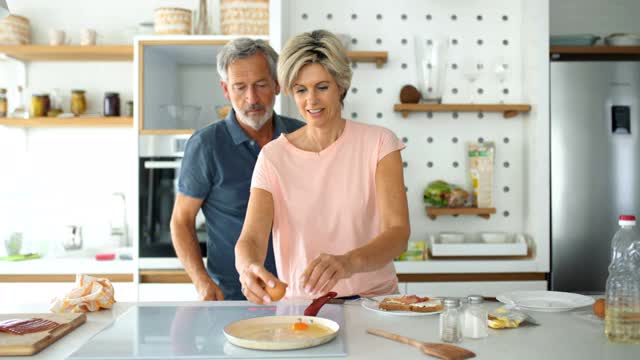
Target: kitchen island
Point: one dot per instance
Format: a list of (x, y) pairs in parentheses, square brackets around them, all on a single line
[(565, 335)]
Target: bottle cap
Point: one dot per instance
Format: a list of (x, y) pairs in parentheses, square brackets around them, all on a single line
[(451, 302), (628, 220), (475, 299)]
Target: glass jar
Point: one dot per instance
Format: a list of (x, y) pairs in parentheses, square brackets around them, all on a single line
[(111, 104), (3, 103), (78, 102), (475, 318), (451, 321), (47, 103), (129, 111), (38, 105)]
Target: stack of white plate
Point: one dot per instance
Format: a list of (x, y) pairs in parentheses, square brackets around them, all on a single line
[(15, 30)]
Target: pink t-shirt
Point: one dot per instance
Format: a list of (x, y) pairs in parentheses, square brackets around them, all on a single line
[(326, 203)]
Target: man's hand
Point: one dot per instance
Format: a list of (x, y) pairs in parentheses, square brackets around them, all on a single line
[(209, 291)]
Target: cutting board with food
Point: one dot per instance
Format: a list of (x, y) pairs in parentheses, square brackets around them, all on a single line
[(27, 334)]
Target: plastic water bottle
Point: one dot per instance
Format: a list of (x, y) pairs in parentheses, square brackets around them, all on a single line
[(622, 311)]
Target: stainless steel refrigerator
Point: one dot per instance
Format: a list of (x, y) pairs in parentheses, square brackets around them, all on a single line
[(595, 166)]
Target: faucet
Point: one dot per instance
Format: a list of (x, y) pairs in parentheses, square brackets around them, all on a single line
[(119, 234)]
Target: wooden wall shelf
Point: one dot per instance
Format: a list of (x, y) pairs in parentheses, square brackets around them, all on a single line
[(75, 122), (485, 213), (125, 53), (378, 57), (69, 52), (507, 110), (595, 53), (595, 50)]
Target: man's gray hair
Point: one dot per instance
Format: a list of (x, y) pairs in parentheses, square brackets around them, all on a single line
[(243, 48)]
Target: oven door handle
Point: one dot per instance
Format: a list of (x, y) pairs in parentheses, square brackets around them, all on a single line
[(162, 164)]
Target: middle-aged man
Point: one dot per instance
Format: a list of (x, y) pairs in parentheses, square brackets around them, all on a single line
[(218, 164)]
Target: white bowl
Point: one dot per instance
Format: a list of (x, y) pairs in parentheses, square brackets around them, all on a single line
[(622, 40), (496, 237), (451, 238)]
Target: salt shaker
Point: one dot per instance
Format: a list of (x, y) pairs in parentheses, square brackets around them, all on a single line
[(475, 318), (451, 321)]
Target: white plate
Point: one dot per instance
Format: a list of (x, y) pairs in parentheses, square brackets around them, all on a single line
[(270, 332), (372, 305), (547, 301)]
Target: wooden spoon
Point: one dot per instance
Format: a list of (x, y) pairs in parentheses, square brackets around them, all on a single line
[(439, 350)]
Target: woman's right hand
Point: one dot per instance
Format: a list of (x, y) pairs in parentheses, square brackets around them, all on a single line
[(253, 280)]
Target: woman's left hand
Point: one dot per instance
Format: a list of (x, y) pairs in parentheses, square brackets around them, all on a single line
[(323, 273)]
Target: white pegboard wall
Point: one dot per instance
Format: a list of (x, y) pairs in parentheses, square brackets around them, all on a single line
[(486, 32)]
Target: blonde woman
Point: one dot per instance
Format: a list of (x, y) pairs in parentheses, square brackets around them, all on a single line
[(333, 190)]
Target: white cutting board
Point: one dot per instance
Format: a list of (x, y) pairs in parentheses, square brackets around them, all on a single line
[(30, 344)]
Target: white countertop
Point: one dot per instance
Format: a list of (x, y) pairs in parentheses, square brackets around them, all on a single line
[(568, 335)]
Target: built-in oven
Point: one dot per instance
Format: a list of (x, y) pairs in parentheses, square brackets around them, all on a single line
[(159, 162)]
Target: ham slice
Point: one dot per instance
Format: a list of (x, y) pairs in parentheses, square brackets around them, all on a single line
[(27, 326), (411, 299)]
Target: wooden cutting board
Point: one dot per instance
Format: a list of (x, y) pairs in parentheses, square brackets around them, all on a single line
[(30, 344)]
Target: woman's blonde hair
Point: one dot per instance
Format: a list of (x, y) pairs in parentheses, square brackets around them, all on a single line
[(316, 47)]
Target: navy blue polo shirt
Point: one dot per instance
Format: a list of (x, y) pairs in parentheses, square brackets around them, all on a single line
[(217, 167)]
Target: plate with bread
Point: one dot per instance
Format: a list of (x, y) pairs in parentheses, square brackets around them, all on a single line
[(403, 305)]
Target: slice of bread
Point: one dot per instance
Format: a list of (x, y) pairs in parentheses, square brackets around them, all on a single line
[(392, 304)]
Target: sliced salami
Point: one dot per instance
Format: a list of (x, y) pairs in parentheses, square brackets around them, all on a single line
[(27, 326)]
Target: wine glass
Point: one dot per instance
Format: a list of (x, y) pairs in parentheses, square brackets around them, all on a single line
[(472, 69), (501, 70)]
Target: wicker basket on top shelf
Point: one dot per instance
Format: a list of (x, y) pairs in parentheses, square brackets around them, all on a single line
[(244, 17)]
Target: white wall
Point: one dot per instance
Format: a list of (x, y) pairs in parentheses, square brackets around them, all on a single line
[(55, 177), (598, 17)]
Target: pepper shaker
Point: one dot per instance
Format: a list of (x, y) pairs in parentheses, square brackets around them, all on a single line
[(451, 321)]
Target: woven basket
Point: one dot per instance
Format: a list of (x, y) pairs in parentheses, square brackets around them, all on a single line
[(15, 30), (174, 21), (244, 17)]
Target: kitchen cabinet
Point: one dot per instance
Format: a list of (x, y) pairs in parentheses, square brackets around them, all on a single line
[(30, 292), (178, 84)]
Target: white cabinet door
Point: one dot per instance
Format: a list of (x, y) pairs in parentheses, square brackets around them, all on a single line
[(484, 288), (26, 293), (167, 292)]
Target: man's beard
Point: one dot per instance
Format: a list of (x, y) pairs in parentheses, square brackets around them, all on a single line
[(255, 122)]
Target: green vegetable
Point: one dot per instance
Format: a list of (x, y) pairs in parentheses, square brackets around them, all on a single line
[(437, 193)]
